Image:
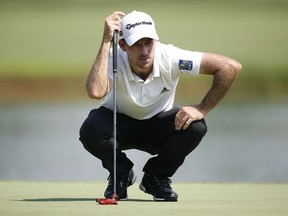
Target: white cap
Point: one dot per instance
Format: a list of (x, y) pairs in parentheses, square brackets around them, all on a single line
[(137, 25)]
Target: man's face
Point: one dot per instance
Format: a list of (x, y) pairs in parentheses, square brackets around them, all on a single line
[(140, 55)]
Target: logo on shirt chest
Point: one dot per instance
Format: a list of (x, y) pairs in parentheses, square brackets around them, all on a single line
[(185, 65), (164, 90)]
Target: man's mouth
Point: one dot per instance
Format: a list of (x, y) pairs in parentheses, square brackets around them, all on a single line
[(144, 59)]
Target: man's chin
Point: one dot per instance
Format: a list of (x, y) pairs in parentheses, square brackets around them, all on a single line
[(145, 66)]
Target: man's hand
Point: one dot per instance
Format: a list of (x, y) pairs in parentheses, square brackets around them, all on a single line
[(186, 115), (112, 23)]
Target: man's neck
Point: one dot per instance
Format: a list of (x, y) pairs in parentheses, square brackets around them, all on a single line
[(142, 74)]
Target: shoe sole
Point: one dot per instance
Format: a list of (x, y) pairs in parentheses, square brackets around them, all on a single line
[(158, 199)]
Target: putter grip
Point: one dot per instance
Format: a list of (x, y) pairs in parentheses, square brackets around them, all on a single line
[(115, 41)]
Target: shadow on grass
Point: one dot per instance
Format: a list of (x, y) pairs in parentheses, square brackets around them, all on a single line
[(59, 200), (139, 200), (76, 200)]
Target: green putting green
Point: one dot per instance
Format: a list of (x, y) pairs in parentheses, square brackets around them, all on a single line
[(78, 198)]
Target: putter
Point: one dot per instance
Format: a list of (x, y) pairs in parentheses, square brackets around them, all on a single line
[(113, 200)]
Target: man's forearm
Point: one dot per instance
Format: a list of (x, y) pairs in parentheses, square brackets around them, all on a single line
[(97, 84), (222, 82)]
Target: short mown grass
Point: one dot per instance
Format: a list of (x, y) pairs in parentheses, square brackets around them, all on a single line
[(78, 198)]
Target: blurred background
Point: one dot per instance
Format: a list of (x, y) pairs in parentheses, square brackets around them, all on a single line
[(47, 48)]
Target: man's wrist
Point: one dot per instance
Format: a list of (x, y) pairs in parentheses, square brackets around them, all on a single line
[(203, 109)]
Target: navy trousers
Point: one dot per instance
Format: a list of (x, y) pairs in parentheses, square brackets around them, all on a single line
[(156, 136)]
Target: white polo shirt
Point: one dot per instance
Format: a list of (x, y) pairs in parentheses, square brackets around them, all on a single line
[(143, 99)]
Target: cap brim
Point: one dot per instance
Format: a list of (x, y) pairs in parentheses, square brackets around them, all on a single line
[(137, 36)]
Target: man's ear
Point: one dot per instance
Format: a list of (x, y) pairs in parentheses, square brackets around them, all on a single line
[(122, 44)]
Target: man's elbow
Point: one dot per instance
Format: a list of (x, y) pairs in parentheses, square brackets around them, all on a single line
[(235, 66), (95, 96), (92, 93)]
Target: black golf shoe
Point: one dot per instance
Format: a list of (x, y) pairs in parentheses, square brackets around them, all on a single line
[(159, 187), (122, 182)]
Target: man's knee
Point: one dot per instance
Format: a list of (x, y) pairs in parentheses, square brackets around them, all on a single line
[(89, 132), (198, 128), (95, 134), (95, 128)]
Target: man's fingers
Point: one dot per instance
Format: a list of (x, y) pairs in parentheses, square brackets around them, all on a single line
[(182, 122), (112, 23), (119, 13), (187, 123), (178, 122), (186, 115)]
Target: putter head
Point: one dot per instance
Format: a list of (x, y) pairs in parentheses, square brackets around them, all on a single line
[(107, 201)]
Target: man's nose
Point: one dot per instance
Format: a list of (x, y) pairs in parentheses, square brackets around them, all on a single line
[(144, 50)]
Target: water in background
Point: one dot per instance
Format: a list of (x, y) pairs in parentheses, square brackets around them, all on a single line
[(244, 143)]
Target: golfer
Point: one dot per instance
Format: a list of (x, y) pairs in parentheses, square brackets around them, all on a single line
[(147, 76)]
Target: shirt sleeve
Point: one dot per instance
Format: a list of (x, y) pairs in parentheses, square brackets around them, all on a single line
[(186, 62)]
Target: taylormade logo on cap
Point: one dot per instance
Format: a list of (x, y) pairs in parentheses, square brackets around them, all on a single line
[(129, 26), (137, 25)]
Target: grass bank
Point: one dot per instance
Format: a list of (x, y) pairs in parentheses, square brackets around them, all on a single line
[(61, 38), (50, 45), (78, 198)]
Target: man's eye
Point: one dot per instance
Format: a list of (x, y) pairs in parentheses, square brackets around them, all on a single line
[(136, 44)]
